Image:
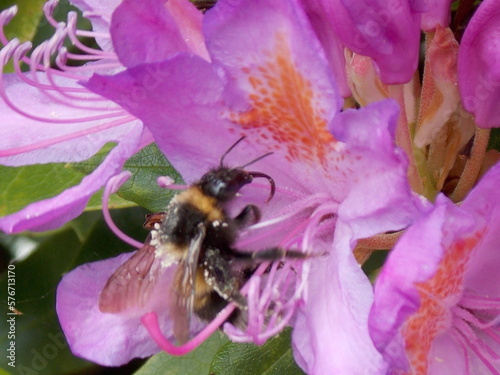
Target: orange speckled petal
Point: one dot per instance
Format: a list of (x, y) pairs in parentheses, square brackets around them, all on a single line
[(437, 300), (283, 73)]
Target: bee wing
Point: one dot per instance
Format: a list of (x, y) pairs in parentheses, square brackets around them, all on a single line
[(132, 283), (185, 291)]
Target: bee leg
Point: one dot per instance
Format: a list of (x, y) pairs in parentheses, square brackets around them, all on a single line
[(152, 219), (277, 253), (249, 215), (271, 254), (218, 274)]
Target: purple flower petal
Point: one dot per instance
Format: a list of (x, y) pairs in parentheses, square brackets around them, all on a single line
[(334, 50), (331, 317), (395, 296), (280, 93), (48, 116), (437, 297), (478, 65), (167, 28), (89, 331), (483, 201), (388, 32), (437, 13), (53, 212), (374, 165), (104, 8), (176, 109), (331, 331)]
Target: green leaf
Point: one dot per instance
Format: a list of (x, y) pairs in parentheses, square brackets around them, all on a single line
[(38, 343), (101, 243), (197, 362), (20, 186), (374, 263), (494, 139), (146, 166), (275, 357), (25, 23), (114, 202)]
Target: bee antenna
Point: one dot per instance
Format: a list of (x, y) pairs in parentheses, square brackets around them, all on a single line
[(230, 149), (256, 160)]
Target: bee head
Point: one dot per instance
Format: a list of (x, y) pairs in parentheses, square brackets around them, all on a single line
[(224, 183)]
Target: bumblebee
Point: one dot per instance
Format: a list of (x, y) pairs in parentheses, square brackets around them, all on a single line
[(196, 233)]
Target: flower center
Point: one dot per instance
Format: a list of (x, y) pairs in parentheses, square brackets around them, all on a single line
[(285, 107)]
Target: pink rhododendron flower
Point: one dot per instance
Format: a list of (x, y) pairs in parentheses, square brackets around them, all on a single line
[(334, 171), (437, 299), (48, 116)]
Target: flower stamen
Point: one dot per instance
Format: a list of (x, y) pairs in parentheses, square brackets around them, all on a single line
[(150, 322), (66, 137), (468, 338), (40, 66), (112, 187), (72, 30), (48, 10)]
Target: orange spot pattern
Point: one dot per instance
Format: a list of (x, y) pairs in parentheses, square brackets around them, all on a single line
[(436, 295), (284, 107)]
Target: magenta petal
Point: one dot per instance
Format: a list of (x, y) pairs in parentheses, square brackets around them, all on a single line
[(53, 212), (186, 96), (178, 100), (388, 32), (156, 34), (447, 230), (375, 161), (484, 201), (479, 67), (395, 295), (332, 325), (438, 13), (107, 339), (331, 328), (189, 19), (334, 50)]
